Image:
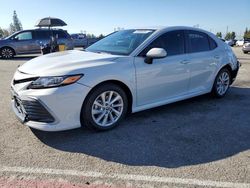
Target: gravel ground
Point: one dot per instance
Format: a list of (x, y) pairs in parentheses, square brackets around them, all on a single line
[(200, 142)]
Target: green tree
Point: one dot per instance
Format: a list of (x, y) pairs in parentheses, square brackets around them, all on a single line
[(1, 32), (233, 35), (12, 29), (228, 36), (4, 33), (16, 25), (219, 34), (247, 33), (91, 36), (101, 36)]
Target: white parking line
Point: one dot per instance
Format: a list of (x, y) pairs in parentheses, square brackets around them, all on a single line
[(92, 174)]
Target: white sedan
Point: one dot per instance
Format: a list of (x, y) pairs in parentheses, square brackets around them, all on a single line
[(127, 71), (239, 42)]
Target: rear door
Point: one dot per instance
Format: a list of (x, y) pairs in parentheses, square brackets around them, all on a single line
[(202, 60), (41, 37)]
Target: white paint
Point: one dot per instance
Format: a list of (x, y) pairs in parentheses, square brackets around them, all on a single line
[(129, 177)]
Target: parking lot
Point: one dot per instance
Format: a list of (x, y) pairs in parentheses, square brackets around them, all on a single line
[(201, 142)]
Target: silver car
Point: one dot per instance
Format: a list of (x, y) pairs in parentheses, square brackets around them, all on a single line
[(127, 71), (29, 42), (246, 48)]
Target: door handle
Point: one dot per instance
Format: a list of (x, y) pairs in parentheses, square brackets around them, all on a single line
[(185, 62)]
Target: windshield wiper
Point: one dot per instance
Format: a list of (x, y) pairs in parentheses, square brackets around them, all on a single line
[(102, 52)]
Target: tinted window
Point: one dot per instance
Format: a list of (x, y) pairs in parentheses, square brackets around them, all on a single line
[(24, 36), (172, 42), (212, 43), (42, 34), (197, 42), (61, 34)]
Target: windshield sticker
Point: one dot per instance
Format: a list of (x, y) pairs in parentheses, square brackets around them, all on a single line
[(142, 31)]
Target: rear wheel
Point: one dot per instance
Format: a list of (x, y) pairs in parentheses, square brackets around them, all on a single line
[(221, 83), (105, 107), (7, 53)]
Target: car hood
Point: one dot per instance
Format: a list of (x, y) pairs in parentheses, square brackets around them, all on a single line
[(66, 62), (2, 41)]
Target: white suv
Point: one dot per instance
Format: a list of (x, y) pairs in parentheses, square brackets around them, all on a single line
[(128, 71)]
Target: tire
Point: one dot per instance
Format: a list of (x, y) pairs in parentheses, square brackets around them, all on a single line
[(245, 52), (99, 112), (222, 83), (7, 53)]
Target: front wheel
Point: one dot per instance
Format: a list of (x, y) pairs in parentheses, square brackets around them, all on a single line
[(7, 53), (104, 107), (221, 83)]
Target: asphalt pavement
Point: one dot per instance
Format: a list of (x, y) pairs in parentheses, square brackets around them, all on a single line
[(200, 142)]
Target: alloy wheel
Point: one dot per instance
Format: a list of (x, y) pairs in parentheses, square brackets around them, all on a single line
[(107, 108), (7, 53), (223, 83)]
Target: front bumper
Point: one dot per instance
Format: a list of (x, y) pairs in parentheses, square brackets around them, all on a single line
[(52, 109)]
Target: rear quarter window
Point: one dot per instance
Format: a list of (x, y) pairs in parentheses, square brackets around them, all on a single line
[(212, 43)]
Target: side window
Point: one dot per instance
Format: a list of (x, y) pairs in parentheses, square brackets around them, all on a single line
[(197, 42), (212, 43), (61, 34), (42, 34), (172, 42), (24, 36)]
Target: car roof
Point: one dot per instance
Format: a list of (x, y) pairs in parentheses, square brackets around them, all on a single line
[(41, 29), (159, 29)]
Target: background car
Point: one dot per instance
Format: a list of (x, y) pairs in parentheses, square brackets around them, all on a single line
[(246, 48), (239, 42), (246, 40), (231, 42), (29, 41), (79, 39)]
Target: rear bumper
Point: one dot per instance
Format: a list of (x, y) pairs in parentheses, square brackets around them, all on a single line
[(235, 72)]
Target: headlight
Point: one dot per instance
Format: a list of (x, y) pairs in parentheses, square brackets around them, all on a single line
[(54, 81)]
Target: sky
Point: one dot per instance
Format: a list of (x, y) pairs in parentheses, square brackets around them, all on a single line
[(102, 16)]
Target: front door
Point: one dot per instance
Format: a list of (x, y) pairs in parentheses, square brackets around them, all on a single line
[(25, 43), (165, 78)]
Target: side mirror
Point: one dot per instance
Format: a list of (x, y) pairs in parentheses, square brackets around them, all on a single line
[(155, 53)]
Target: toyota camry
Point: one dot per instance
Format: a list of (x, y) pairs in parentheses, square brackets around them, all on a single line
[(127, 71)]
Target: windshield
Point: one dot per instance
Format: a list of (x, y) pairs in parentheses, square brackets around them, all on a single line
[(121, 42)]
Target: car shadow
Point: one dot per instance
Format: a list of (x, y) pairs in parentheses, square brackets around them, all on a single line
[(194, 131)]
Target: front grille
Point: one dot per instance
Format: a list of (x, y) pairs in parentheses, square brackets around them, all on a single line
[(35, 111)]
